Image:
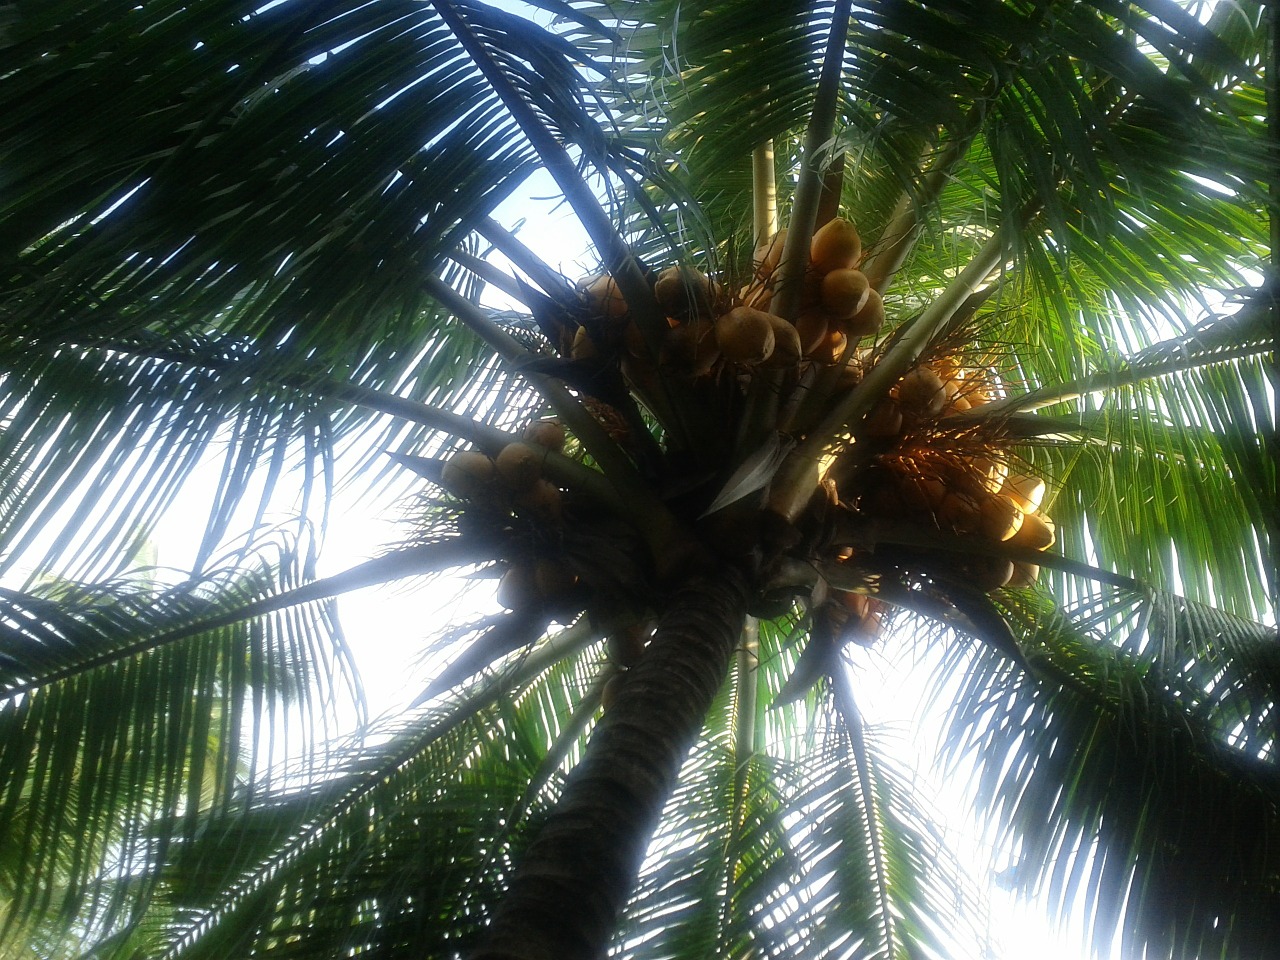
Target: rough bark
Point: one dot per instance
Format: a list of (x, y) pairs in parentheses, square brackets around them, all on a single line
[(566, 895)]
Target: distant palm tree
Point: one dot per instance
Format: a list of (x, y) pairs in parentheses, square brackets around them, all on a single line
[(262, 229)]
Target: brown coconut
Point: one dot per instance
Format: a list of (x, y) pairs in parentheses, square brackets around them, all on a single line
[(884, 420), (545, 433), (1000, 518), (745, 335), (768, 255), (845, 292), (519, 465), (683, 291), (518, 588), (921, 391), (1024, 574), (605, 298), (468, 474), (787, 348)]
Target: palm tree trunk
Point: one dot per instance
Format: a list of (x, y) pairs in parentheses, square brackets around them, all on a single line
[(565, 896)]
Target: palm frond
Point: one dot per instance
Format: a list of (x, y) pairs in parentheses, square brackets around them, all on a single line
[(1134, 767), (98, 747)]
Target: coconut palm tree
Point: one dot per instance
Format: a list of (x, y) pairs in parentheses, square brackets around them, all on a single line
[(1017, 279)]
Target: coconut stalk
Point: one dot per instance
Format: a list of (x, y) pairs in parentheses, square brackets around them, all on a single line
[(765, 394), (804, 208), (1111, 380), (574, 878), (764, 193), (907, 220)]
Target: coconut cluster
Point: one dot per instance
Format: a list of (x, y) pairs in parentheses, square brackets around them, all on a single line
[(912, 458), (514, 482), (960, 484), (838, 303), (709, 327)]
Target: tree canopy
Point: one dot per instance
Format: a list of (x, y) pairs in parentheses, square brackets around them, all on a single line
[(998, 399)]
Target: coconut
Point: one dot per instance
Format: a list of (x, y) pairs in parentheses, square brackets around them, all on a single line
[(683, 291), (745, 335), (519, 465), (1037, 533), (584, 348), (845, 292), (626, 647), (1024, 574), (884, 420), (836, 246), (921, 391), (518, 588), (786, 344), (1000, 518), (553, 579), (605, 298), (468, 474), (832, 347), (959, 512), (988, 573), (542, 499), (768, 255), (870, 318), (609, 692), (545, 433), (1026, 492), (812, 328)]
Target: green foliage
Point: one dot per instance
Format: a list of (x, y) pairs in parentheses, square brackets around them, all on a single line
[(253, 228)]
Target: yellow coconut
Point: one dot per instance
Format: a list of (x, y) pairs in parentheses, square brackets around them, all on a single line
[(519, 465), (921, 391), (545, 433), (1026, 492), (745, 335), (870, 318), (835, 246), (1036, 533), (768, 255), (468, 474), (1000, 518), (845, 292)]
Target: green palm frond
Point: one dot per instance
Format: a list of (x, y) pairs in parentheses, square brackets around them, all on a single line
[(1143, 773), (261, 228), (104, 736), (336, 862)]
